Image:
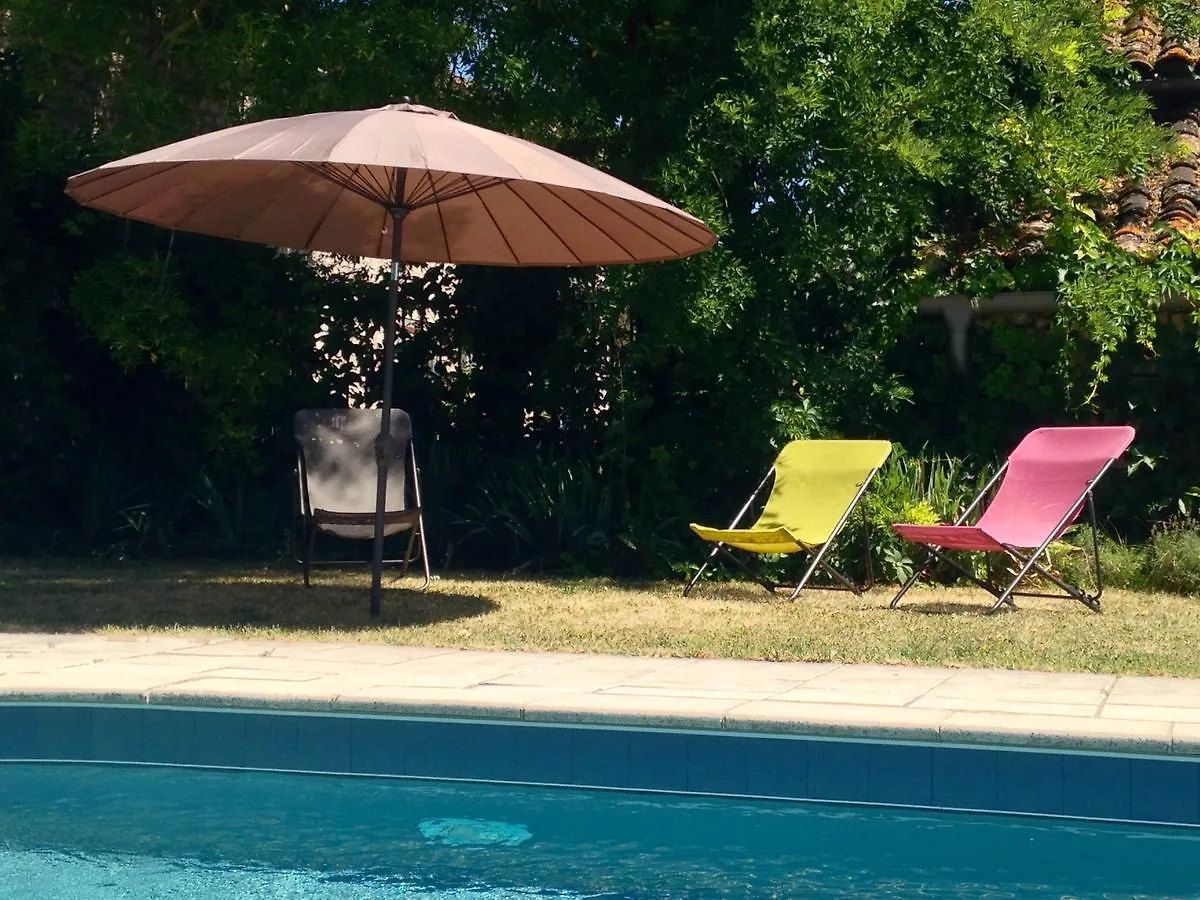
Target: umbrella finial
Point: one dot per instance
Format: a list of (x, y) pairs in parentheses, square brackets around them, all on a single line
[(405, 105)]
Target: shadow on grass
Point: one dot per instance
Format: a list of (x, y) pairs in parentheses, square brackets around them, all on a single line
[(733, 592), (754, 593), (83, 599), (949, 608)]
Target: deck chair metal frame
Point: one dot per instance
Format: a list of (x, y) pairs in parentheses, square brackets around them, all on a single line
[(359, 430), (1028, 560), (815, 552)]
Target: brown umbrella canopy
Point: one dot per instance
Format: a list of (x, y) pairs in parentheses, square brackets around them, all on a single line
[(332, 181)]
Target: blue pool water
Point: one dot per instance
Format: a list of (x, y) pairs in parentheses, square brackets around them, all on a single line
[(86, 832)]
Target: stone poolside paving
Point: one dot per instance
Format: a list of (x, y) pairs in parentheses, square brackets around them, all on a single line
[(1035, 709)]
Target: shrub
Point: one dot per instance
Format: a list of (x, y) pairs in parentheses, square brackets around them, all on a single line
[(1123, 565), (1168, 562), (1172, 559), (541, 511), (918, 489), (1069, 559)]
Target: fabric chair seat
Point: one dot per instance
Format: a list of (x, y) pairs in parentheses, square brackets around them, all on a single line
[(752, 540), (950, 537)]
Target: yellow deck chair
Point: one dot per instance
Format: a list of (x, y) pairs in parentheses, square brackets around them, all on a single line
[(815, 486)]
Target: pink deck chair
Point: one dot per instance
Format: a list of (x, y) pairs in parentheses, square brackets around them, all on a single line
[(1043, 487)]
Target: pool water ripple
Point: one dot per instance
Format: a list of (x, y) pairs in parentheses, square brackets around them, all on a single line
[(94, 832)]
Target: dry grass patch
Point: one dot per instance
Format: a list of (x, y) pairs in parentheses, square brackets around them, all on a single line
[(1137, 633)]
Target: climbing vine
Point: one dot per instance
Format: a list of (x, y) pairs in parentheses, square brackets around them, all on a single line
[(1110, 297)]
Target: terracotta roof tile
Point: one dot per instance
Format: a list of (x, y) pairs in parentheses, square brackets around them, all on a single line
[(1170, 197), (1136, 211), (1140, 40), (1170, 70), (1153, 50)]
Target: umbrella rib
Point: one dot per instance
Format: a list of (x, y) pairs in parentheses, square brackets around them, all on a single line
[(427, 192), (670, 221), (350, 182), (113, 174), (437, 206), (599, 198), (550, 190), (537, 215), (673, 222), (441, 196), (382, 188), (321, 219), (282, 194), (503, 236), (192, 213), (419, 197), (218, 198), (361, 181)]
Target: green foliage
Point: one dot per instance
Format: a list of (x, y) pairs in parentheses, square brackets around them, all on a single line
[(922, 489), (1177, 16), (243, 518), (1123, 565), (895, 555), (1114, 296), (541, 513), (854, 156), (1169, 562), (1172, 559)]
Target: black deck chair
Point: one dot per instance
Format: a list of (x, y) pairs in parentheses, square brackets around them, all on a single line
[(336, 479)]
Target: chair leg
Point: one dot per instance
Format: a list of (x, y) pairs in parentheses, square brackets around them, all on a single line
[(691, 584), (719, 546), (309, 544), (770, 586), (936, 555), (812, 567), (408, 551), (1006, 595), (855, 589), (912, 579), (1028, 565), (424, 552), (847, 584), (1096, 557), (1091, 601), (415, 549), (837, 530)]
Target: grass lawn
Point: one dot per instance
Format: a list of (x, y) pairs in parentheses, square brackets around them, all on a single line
[(1137, 633)]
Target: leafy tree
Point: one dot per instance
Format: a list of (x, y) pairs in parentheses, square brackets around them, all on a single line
[(183, 355), (854, 155)]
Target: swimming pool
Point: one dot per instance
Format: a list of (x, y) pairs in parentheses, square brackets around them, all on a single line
[(211, 802), (85, 832)]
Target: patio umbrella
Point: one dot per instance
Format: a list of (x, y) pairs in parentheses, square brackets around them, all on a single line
[(401, 182)]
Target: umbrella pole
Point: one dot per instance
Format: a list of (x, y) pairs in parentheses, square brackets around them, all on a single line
[(383, 444)]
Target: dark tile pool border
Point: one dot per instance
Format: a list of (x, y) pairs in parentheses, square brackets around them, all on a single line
[(1157, 737), (1002, 779)]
